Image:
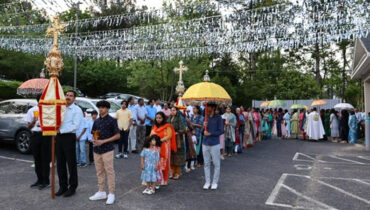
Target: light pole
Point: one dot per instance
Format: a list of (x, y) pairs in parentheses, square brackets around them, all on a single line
[(77, 8)]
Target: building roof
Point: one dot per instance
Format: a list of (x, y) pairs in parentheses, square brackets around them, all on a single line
[(361, 61)]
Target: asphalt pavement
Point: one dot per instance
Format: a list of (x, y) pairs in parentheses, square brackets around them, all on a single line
[(274, 174)]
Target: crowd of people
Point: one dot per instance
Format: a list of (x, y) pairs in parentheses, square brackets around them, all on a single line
[(171, 142)]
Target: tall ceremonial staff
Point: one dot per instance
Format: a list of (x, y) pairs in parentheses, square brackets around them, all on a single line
[(52, 104)]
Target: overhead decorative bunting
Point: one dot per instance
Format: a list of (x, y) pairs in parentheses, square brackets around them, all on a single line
[(267, 28)]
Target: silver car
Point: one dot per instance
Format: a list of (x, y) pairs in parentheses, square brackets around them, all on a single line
[(12, 125)]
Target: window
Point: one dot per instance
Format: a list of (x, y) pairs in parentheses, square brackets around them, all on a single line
[(4, 107), (84, 105)]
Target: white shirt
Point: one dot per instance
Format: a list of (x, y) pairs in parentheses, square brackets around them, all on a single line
[(72, 119), (158, 107), (29, 118), (189, 111), (140, 113), (358, 116)]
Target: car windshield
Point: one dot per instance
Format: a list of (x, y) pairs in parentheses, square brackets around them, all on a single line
[(113, 107), (15, 107)]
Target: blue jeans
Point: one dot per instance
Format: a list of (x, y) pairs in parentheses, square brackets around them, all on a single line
[(81, 151), (211, 154)]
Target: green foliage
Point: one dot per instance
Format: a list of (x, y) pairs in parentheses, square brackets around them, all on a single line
[(353, 93), (8, 89)]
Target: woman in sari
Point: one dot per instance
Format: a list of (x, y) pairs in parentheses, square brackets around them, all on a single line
[(334, 126), (177, 157), (287, 124), (230, 123), (166, 132), (264, 125), (249, 130), (256, 120), (197, 125), (295, 124), (302, 122), (352, 123), (279, 123)]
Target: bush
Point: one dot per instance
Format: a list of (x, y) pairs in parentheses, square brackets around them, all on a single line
[(8, 89)]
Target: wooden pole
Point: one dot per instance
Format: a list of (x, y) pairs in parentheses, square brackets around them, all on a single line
[(53, 167)]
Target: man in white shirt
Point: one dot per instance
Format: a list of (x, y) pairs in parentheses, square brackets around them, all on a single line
[(41, 148), (132, 135), (189, 111), (157, 105), (66, 147)]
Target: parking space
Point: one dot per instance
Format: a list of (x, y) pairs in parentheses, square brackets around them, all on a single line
[(324, 181)]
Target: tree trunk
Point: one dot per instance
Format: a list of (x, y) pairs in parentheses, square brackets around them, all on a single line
[(317, 64)]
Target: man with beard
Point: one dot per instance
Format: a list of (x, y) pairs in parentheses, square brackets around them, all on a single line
[(66, 147)]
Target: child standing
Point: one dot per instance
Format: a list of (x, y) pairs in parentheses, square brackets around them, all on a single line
[(150, 164)]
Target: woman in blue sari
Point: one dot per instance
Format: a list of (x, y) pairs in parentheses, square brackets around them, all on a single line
[(197, 124), (352, 123)]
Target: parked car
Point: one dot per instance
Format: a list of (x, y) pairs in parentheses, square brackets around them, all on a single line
[(90, 105), (13, 128), (118, 99), (110, 95)]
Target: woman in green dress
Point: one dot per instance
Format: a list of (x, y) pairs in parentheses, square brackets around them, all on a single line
[(177, 158), (295, 124)]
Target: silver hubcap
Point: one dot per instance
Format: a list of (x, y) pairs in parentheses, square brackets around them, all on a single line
[(23, 142)]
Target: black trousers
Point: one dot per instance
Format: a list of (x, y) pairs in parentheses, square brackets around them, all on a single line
[(41, 151), (123, 140), (148, 130), (91, 152), (66, 156)]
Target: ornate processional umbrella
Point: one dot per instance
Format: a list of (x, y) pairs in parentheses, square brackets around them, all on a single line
[(318, 103), (52, 104), (33, 86), (207, 92)]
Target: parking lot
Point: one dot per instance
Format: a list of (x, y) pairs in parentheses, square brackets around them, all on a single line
[(275, 174)]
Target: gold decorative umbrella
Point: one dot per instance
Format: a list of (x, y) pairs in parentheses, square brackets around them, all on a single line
[(318, 103), (207, 92)]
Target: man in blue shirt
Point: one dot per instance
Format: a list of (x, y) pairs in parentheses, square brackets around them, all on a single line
[(211, 146), (152, 111), (66, 147)]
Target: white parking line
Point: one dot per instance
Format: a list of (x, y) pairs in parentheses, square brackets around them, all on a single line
[(312, 159), (275, 191), (16, 159), (308, 198), (280, 184), (345, 159)]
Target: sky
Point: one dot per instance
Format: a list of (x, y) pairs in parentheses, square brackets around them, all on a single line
[(56, 6)]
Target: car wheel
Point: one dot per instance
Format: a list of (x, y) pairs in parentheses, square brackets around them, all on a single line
[(23, 141)]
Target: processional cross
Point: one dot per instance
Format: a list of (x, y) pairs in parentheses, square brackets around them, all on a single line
[(180, 88), (55, 30)]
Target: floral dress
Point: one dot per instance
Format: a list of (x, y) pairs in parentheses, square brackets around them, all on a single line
[(150, 174)]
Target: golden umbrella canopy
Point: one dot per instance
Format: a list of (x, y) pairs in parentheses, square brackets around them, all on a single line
[(208, 92), (318, 103)]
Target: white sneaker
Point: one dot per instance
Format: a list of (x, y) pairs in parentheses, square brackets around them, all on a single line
[(157, 187), (192, 168), (206, 186), (146, 191), (119, 155), (214, 187), (125, 156), (98, 196), (110, 199)]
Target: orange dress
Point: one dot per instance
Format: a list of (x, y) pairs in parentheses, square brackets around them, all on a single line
[(166, 131)]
